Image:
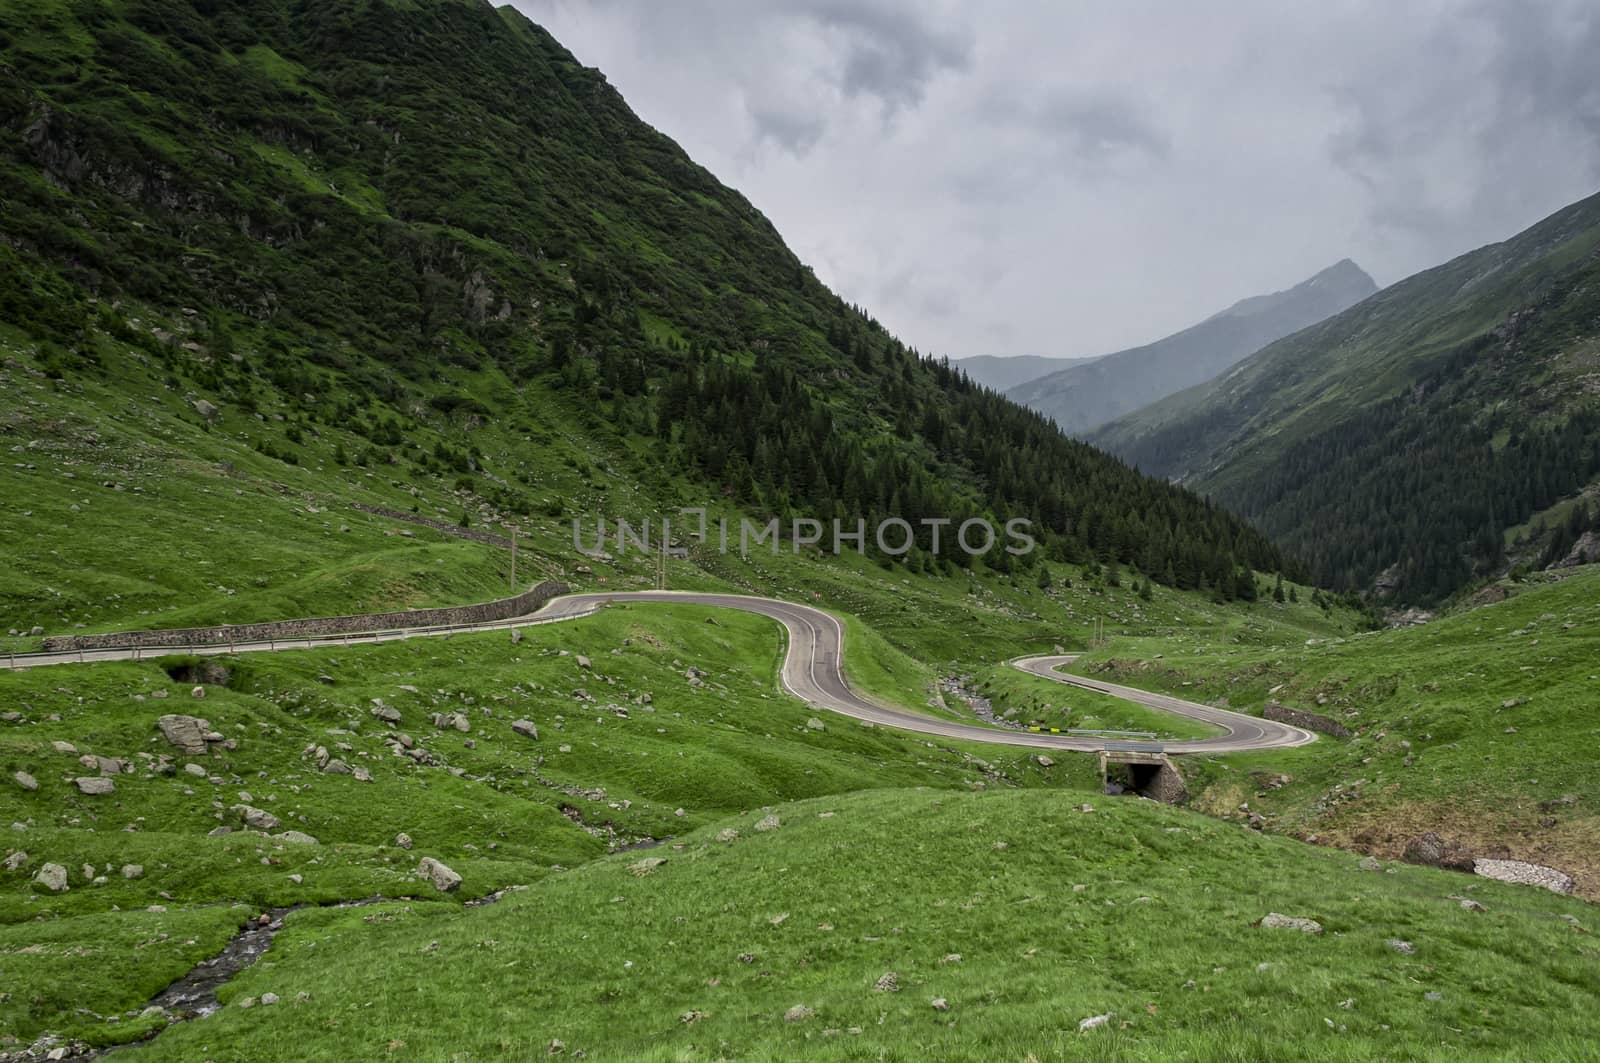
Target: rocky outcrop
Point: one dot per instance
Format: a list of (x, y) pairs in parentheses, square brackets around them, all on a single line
[(1311, 721), (1586, 551), (443, 879), (1431, 850), (188, 733), (1275, 921)]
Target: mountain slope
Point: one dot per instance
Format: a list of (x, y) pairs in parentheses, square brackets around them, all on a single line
[(1083, 397), (415, 255), (1003, 372), (1395, 443)]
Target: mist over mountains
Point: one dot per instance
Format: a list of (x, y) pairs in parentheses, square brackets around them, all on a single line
[(1080, 398)]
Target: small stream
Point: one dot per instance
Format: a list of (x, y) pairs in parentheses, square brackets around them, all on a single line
[(194, 996)]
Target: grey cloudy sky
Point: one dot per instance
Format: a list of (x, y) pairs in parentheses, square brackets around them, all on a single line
[(1073, 178)]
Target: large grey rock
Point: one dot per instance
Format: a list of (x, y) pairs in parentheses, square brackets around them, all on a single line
[(52, 877), (444, 880), (403, 840), (296, 838), (257, 818), (386, 713), (1274, 921), (525, 728), (1431, 850), (26, 781), (95, 785), (103, 765), (188, 733), (768, 822), (16, 861)]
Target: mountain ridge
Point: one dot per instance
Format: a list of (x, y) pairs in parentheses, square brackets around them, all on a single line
[(1081, 398), (1483, 365)]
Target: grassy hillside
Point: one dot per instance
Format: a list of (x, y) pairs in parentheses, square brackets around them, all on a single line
[(996, 924), (1476, 726), (260, 260), (1393, 445)]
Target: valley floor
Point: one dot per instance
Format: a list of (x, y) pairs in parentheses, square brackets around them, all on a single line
[(819, 885)]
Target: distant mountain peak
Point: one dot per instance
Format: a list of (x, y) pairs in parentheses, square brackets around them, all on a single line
[(1081, 398)]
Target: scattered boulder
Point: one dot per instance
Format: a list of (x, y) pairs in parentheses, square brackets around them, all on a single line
[(65, 747), (386, 713), (403, 840), (1430, 850), (1404, 948), (526, 728), (444, 880), (296, 837), (197, 692), (335, 767), (769, 822), (647, 865), (1044, 761), (1093, 1022), (52, 877), (1274, 921), (584, 662), (444, 721), (1370, 863), (188, 733), (727, 834), (1468, 903), (132, 871), (888, 982), (103, 765), (798, 1013), (26, 781), (815, 724), (16, 861), (257, 818), (95, 785)]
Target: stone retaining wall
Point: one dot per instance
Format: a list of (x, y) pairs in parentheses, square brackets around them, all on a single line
[(1311, 721), (230, 634), (437, 525)]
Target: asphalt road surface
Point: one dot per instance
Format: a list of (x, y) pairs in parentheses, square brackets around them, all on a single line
[(811, 672)]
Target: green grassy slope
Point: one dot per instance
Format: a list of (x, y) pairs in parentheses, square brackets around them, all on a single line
[(1470, 726), (1019, 914), (497, 806), (416, 255), (1404, 436)]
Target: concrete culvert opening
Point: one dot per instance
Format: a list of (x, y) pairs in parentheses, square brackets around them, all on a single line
[(1150, 775)]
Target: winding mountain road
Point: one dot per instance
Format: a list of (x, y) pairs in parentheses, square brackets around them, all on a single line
[(811, 671)]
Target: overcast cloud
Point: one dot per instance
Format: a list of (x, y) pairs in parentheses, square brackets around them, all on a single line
[(1070, 179)]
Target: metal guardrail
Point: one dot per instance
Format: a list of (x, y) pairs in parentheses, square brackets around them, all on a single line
[(16, 661)]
